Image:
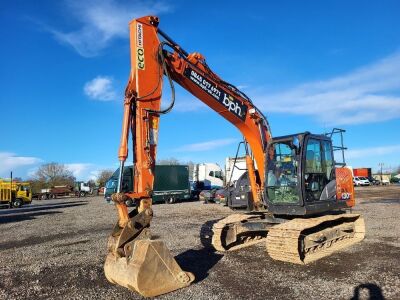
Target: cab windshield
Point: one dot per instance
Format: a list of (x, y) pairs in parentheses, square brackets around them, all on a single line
[(282, 173), (24, 188)]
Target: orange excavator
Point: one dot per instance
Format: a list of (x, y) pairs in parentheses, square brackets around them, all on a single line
[(299, 195)]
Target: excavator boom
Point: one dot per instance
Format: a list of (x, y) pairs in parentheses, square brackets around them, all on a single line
[(150, 59)]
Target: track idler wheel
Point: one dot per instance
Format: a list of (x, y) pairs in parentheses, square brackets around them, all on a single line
[(150, 271)]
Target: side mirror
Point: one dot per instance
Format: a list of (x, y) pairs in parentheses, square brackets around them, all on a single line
[(296, 144)]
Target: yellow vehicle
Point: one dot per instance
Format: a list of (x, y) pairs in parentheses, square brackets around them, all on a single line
[(15, 194)]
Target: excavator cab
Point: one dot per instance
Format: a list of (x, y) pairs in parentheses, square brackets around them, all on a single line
[(301, 176)]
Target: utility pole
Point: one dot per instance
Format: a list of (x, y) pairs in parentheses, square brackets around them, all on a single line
[(381, 165)]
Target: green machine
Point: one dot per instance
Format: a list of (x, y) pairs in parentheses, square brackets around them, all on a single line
[(171, 184)]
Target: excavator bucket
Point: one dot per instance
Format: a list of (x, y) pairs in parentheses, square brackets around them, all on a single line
[(150, 271)]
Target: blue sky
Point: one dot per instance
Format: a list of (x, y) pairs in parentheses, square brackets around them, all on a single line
[(308, 65)]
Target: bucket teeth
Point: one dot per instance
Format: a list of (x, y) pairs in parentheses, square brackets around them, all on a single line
[(150, 271)]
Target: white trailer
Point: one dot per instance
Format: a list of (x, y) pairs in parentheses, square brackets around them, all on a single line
[(209, 175), (233, 170)]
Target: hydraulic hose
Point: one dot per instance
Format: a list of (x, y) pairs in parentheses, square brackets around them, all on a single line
[(171, 83)]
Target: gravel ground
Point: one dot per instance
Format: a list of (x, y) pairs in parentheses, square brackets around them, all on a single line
[(56, 248)]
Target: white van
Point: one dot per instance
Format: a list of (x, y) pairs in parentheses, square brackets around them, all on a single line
[(360, 181)]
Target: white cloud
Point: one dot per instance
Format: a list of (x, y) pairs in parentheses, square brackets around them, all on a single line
[(102, 21), (86, 171), (366, 95), (79, 170), (100, 88), (11, 162), (31, 172), (82, 171), (93, 174), (372, 152), (206, 146), (26, 167)]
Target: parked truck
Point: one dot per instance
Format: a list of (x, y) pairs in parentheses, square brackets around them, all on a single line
[(171, 184), (206, 177), (362, 172), (15, 194), (234, 169), (80, 189)]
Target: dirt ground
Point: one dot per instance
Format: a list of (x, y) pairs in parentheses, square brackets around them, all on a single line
[(55, 249)]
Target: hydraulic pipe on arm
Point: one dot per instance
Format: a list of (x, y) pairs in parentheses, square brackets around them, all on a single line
[(119, 198), (142, 102)]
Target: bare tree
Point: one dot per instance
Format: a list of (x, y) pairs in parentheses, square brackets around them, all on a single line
[(37, 185), (191, 166), (172, 161), (91, 183), (103, 176), (53, 174)]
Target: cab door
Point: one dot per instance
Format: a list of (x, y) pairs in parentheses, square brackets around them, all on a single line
[(319, 176)]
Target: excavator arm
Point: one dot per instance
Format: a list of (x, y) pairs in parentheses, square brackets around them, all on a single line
[(134, 260)]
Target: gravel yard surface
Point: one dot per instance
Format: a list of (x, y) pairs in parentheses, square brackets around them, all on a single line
[(55, 249)]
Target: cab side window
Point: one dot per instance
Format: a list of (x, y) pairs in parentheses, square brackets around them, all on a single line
[(327, 163), (313, 157), (315, 171)]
